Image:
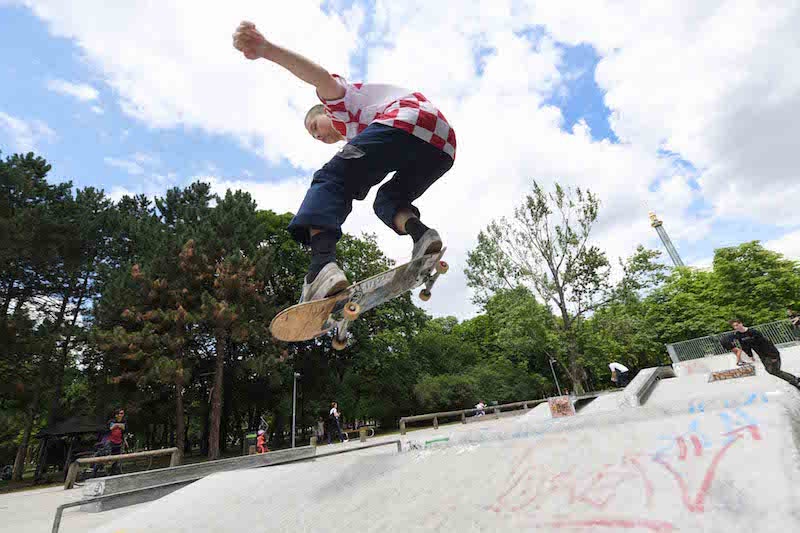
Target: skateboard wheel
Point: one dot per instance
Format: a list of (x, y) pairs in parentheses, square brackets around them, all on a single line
[(351, 311), (424, 295), (442, 267), (339, 345)]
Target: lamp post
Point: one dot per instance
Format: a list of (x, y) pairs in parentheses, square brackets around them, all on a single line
[(294, 403), (553, 370)]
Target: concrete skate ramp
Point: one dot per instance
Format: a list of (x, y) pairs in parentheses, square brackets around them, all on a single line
[(696, 456)]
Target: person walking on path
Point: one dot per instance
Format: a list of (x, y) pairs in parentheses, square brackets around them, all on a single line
[(333, 417)]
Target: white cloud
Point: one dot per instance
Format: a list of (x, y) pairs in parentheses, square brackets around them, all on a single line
[(146, 159), (117, 192), (25, 135), (279, 197), (130, 167), (185, 72), (82, 91), (136, 163), (97, 110), (788, 245), (711, 83)]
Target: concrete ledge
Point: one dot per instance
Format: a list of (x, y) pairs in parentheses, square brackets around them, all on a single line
[(638, 390), (710, 364), (189, 473)]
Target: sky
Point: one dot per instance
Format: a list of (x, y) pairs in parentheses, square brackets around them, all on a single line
[(689, 109)]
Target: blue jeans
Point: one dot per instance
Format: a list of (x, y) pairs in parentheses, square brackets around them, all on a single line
[(360, 165)]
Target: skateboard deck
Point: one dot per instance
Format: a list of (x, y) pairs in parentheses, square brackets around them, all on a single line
[(310, 320)]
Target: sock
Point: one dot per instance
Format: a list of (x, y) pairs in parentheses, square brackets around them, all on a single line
[(415, 228), (323, 251)]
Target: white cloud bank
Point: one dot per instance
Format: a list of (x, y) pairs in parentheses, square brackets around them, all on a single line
[(80, 91), (25, 135), (714, 83)]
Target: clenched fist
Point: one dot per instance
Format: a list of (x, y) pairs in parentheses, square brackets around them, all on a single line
[(248, 40)]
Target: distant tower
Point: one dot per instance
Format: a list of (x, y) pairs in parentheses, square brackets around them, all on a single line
[(659, 226)]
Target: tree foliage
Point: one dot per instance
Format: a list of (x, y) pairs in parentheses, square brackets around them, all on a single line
[(162, 305)]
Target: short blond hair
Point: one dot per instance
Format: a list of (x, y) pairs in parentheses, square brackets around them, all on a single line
[(318, 109)]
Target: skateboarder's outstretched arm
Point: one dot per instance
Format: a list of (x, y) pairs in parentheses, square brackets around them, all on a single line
[(248, 40)]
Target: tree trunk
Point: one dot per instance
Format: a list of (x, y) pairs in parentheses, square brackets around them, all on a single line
[(55, 402), (19, 461), (187, 445), (206, 418), (227, 402), (216, 399), (180, 423), (61, 358)]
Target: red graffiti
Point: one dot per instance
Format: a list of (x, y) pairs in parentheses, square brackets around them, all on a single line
[(696, 504), (652, 525), (594, 489), (532, 485), (682, 450)]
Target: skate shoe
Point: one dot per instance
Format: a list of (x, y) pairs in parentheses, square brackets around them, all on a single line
[(328, 282), (429, 243)]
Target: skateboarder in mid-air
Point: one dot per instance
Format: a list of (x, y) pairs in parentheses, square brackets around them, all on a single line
[(387, 129)]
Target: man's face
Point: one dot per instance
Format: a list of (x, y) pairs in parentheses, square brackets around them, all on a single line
[(321, 128), (738, 326)]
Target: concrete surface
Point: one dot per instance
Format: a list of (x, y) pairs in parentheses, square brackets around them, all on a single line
[(694, 456), (32, 511)]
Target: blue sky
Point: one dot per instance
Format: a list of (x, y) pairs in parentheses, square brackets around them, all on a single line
[(664, 149), (84, 139)]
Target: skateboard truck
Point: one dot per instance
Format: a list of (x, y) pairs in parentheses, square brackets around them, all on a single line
[(441, 268), (350, 313)]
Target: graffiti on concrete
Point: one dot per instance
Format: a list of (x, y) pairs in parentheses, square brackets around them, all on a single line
[(733, 373), (683, 467), (699, 406), (561, 406)]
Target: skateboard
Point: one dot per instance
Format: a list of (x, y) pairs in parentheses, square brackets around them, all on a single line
[(310, 320)]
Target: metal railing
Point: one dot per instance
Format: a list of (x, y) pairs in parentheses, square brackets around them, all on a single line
[(494, 409), (463, 413), (780, 333), (72, 473)]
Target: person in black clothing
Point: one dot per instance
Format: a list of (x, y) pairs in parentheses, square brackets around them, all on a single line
[(751, 339), (794, 318)]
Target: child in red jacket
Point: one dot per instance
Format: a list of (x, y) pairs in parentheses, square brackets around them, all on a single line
[(261, 442)]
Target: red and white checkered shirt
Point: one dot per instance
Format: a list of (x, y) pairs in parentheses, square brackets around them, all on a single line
[(367, 103)]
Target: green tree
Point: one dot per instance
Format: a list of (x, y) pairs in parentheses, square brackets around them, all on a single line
[(546, 245), (758, 283), (34, 235)]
